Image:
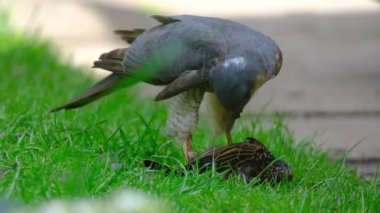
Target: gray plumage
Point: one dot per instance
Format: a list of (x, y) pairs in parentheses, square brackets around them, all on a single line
[(183, 43), (198, 43)]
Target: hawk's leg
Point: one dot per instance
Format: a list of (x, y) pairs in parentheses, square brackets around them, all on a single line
[(188, 149), (223, 119), (229, 137), (183, 117)]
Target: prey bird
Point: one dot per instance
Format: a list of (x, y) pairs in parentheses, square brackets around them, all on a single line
[(190, 55), (249, 159)]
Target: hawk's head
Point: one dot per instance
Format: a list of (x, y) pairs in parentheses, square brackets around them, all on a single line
[(240, 74)]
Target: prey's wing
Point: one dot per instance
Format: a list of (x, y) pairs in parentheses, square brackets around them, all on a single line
[(227, 157), (234, 155)]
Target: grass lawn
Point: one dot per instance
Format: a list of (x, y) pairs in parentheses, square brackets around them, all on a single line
[(96, 150)]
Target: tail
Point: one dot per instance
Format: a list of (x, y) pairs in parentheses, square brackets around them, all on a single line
[(111, 61), (153, 165)]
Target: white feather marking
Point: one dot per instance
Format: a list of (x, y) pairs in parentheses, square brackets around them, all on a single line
[(236, 61)]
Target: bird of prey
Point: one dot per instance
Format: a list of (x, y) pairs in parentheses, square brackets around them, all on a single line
[(190, 55)]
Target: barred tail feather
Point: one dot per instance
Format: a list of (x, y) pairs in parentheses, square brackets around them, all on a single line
[(111, 61)]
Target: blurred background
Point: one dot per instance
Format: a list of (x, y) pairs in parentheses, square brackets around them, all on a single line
[(330, 80)]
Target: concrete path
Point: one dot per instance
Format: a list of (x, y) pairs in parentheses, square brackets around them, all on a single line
[(330, 81)]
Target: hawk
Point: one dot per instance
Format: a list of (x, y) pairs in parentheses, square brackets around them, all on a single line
[(190, 55)]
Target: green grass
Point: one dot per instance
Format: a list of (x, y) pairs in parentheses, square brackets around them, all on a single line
[(98, 149)]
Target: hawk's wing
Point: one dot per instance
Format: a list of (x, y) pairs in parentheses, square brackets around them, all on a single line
[(158, 56), (179, 44)]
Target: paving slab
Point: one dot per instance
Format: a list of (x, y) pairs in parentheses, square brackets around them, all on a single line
[(331, 56), (342, 133)]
